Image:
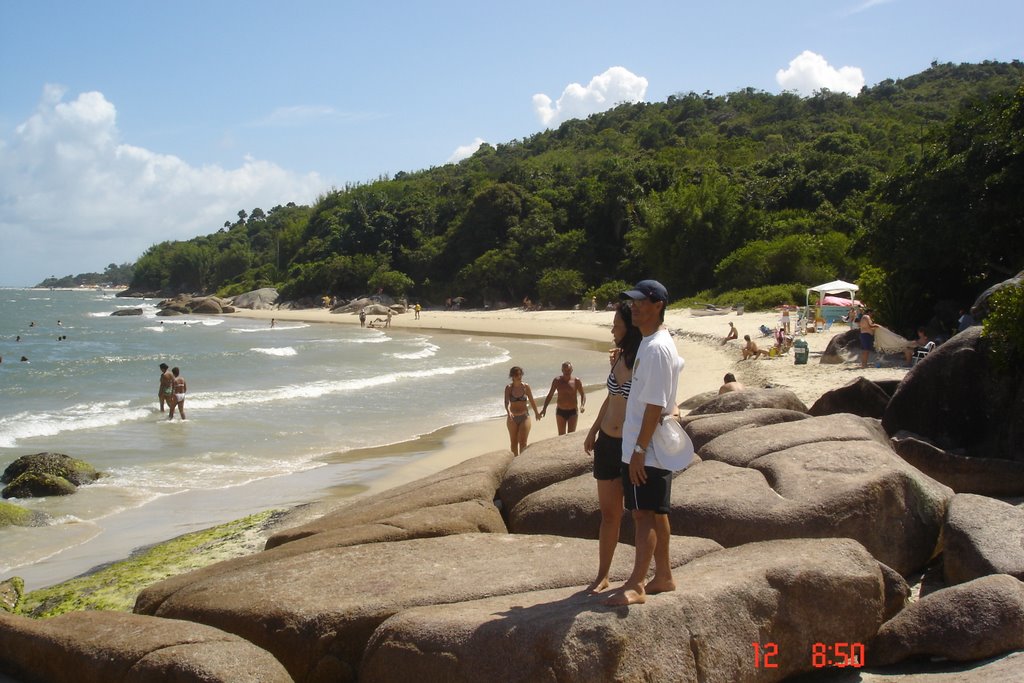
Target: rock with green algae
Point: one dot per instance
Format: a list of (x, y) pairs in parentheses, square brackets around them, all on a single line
[(11, 593), (115, 586), (46, 474), (15, 515)]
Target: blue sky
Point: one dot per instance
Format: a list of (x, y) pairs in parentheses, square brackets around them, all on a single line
[(124, 124)]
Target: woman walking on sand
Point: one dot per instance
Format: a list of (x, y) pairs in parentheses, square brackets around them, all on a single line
[(178, 397), (604, 441), (517, 393)]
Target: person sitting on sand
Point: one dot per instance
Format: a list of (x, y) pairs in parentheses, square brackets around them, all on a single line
[(730, 384), (750, 349), (377, 322), (733, 333), (919, 343)]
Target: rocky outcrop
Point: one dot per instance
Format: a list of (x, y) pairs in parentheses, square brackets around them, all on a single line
[(114, 647), (968, 622), (540, 466), (842, 348), (832, 476), (319, 609), (983, 417), (963, 474), (792, 593), (704, 428), (46, 474), (473, 480), (860, 397), (734, 401), (127, 311), (187, 304), (819, 518), (257, 299), (983, 536)]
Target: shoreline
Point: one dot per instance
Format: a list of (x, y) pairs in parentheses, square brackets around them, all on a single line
[(697, 338)]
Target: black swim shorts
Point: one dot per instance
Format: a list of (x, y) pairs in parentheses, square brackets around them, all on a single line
[(654, 495), (607, 457), (867, 341), (566, 413)]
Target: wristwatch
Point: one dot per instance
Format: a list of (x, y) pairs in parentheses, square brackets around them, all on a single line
[(639, 449)]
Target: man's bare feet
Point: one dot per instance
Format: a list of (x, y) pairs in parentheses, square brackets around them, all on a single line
[(626, 596), (598, 586), (660, 586)]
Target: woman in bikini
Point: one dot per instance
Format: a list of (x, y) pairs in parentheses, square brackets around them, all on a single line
[(179, 394), (604, 441), (517, 393)]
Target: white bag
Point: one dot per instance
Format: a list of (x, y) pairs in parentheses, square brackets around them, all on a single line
[(672, 446)]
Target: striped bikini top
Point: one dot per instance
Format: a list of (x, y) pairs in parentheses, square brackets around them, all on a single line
[(616, 389)]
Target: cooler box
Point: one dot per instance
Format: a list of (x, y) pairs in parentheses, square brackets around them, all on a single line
[(800, 352)]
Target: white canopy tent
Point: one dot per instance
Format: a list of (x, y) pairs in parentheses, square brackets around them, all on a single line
[(834, 287)]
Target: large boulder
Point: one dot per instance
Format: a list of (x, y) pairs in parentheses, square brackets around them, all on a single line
[(441, 520), (206, 305), (963, 474), (315, 611), (842, 348), (860, 397), (790, 594), (984, 415), (114, 647), (542, 464), (734, 401), (475, 479), (982, 536), (257, 299), (824, 477), (46, 474), (127, 311), (972, 621), (980, 308), (704, 428), (742, 447)]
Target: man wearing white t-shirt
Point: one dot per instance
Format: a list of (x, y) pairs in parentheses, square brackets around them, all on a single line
[(646, 483)]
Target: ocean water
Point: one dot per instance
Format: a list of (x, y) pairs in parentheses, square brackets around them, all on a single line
[(271, 413)]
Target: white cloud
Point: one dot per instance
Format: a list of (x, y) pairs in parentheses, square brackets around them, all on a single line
[(614, 86), (809, 72), (74, 197), (866, 5), (465, 151)]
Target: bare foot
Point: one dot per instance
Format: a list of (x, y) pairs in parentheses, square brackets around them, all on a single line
[(660, 586), (598, 586), (626, 596)]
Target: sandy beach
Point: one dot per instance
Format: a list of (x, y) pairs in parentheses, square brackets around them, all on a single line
[(697, 337)]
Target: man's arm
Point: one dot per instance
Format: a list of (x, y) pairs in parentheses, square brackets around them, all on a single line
[(547, 399), (652, 416), (583, 394)]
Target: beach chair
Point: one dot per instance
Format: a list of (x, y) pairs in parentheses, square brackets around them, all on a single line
[(921, 352), (766, 331)]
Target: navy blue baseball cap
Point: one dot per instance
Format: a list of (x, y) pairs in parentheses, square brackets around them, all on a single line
[(647, 289)]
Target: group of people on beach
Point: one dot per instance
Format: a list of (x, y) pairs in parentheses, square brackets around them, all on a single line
[(172, 391), (642, 386)]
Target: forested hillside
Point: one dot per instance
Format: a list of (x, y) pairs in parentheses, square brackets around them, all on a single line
[(914, 187)]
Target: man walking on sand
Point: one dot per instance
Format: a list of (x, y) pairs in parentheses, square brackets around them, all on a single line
[(647, 486), (566, 410)]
